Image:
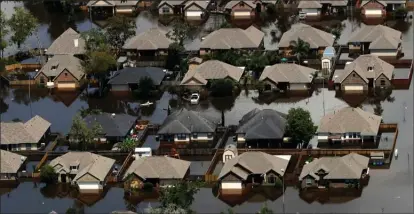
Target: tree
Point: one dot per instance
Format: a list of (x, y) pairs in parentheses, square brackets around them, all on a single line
[(257, 61), (222, 88), (300, 49), (96, 40), (180, 32), (22, 25), (3, 32), (145, 87), (82, 134), (174, 58), (300, 127), (48, 175), (265, 210), (119, 30), (128, 145), (181, 195), (171, 208)]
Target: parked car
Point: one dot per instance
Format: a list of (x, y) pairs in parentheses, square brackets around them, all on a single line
[(194, 99)]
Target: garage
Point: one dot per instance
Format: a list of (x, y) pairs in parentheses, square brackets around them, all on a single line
[(298, 87), (89, 186), (232, 185), (120, 88), (193, 14), (124, 10), (354, 88), (372, 12), (67, 85), (242, 15)]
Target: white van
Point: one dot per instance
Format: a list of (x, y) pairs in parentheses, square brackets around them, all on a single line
[(142, 152)]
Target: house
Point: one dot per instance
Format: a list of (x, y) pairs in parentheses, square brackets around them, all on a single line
[(113, 6), (232, 39), (62, 72), (287, 77), (335, 172), (157, 170), (127, 79), (246, 9), (194, 62), (87, 170), (380, 8), (349, 126), (377, 40), (69, 42), (211, 70), (18, 136), (11, 163), (144, 4), (251, 168), (115, 127), (318, 40), (230, 151), (310, 9), (185, 128), (261, 129), (196, 10), (171, 7), (365, 72)]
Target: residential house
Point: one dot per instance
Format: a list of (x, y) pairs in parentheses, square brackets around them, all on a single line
[(210, 70), (11, 163), (335, 172), (185, 128), (144, 4), (285, 77), (318, 40), (246, 9), (194, 62), (113, 6), (171, 7), (252, 168), (310, 9), (62, 72), (157, 170), (377, 40), (87, 170), (365, 72), (127, 79), (69, 42), (379, 8), (196, 10), (261, 129), (349, 126), (232, 39), (115, 127), (19, 136)]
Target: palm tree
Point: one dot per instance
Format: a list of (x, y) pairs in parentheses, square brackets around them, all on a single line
[(300, 49)]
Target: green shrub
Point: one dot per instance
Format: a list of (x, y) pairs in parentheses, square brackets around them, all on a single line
[(48, 175)]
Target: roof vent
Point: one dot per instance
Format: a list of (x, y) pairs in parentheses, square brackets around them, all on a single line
[(76, 42), (113, 114), (370, 68)]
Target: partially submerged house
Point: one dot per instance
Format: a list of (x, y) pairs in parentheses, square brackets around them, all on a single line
[(190, 9), (210, 70), (115, 127), (11, 163), (335, 172), (379, 8), (349, 126), (314, 9), (252, 168), (69, 42), (112, 6), (127, 79), (261, 129), (246, 9), (19, 136), (157, 170), (364, 73), (61, 71), (87, 170), (185, 128), (318, 40), (378, 40), (285, 77), (171, 7), (232, 39)]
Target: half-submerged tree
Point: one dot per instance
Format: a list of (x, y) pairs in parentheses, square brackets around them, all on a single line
[(300, 49), (81, 134), (300, 127), (145, 88), (48, 175), (128, 145), (180, 32), (222, 88), (3, 32), (22, 25), (119, 30)]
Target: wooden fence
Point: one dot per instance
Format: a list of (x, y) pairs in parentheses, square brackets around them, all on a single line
[(21, 82), (14, 67)]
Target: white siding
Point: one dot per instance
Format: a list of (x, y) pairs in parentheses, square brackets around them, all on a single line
[(232, 185)]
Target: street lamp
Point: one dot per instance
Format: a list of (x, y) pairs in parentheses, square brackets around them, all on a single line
[(283, 189)]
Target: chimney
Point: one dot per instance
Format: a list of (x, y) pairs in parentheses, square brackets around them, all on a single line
[(76, 42)]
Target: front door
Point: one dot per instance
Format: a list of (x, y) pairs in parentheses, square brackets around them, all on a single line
[(63, 178)]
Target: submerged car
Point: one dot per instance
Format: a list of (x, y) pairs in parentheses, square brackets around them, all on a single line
[(194, 99)]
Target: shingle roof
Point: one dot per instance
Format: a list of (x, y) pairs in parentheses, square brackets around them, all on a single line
[(96, 165), (254, 163), (62, 62), (159, 167), (233, 38), (113, 125), (10, 162), (171, 2), (114, 2), (186, 122), (214, 69), (231, 4), (65, 44), (132, 75), (307, 4), (315, 37), (346, 167), (292, 73), (380, 37), (364, 2), (194, 78), (202, 4), (350, 119), (335, 3), (152, 39), (360, 66), (29, 132), (262, 124)]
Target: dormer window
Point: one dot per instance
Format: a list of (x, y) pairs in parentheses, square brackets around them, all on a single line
[(370, 68), (55, 66), (74, 166)]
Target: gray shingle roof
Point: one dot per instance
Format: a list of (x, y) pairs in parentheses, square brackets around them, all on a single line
[(231, 4), (132, 75), (152, 39), (113, 3), (96, 165), (186, 122), (159, 167), (253, 163), (29, 132), (233, 38), (347, 167), (201, 4), (262, 124), (171, 2), (65, 44), (292, 73), (315, 37), (307, 4), (10, 162), (117, 125), (350, 119), (62, 62), (380, 37), (360, 66), (364, 2)]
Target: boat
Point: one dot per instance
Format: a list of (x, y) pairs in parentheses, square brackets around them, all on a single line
[(396, 152), (148, 103)]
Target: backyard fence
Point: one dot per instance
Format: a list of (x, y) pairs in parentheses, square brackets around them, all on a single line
[(19, 66)]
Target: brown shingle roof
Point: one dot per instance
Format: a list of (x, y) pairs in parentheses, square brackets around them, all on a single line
[(380, 37), (29, 132), (152, 39), (233, 38), (62, 62), (10, 162), (315, 37), (307, 4), (65, 44), (291, 73)]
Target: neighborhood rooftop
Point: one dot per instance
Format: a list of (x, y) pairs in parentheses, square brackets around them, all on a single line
[(309, 4), (59, 63), (132, 75), (10, 162), (202, 4), (69, 42), (99, 3), (315, 37), (292, 73), (113, 125), (152, 39), (233, 38), (380, 37), (28, 132)]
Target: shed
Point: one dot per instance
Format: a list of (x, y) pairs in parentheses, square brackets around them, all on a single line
[(230, 151)]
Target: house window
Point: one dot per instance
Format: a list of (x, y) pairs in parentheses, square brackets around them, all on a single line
[(382, 82), (308, 182), (42, 80), (353, 75), (66, 74), (195, 135), (181, 136), (228, 157), (73, 167), (165, 10), (271, 179)]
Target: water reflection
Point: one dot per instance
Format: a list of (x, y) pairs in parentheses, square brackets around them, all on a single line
[(251, 194), (330, 196)]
